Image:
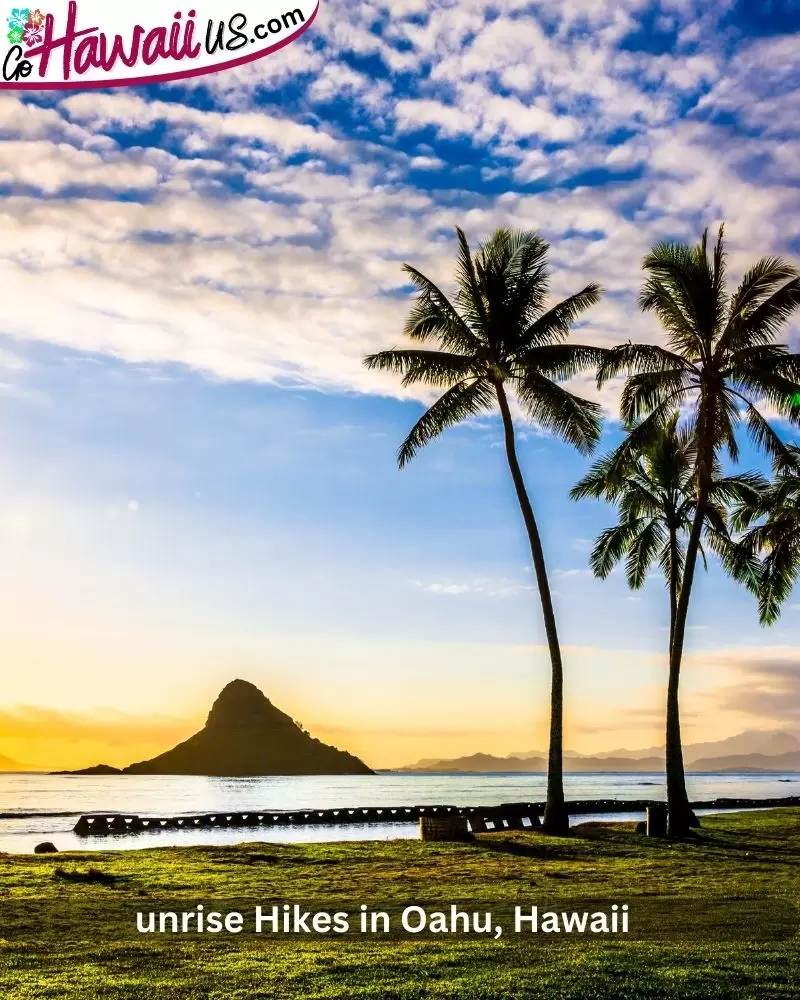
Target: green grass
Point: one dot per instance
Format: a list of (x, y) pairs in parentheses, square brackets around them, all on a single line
[(723, 902)]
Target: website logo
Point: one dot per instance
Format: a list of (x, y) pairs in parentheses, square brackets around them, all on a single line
[(93, 43)]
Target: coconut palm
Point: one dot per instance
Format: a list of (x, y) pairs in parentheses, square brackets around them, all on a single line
[(495, 337), (652, 491), (655, 496), (722, 364), (776, 538)]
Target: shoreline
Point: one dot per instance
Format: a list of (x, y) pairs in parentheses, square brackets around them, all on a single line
[(575, 808)]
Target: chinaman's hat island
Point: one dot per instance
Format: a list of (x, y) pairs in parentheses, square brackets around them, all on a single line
[(245, 735)]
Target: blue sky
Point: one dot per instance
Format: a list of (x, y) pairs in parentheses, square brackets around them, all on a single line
[(197, 476)]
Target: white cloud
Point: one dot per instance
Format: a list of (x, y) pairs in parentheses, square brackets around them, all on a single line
[(126, 110), (760, 86), (449, 121), (263, 244), (51, 167), (479, 586)]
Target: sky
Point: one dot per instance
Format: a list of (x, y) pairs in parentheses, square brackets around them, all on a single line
[(197, 475)]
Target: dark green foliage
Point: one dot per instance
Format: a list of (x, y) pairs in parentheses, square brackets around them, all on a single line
[(654, 494), (496, 329), (721, 359), (776, 537)]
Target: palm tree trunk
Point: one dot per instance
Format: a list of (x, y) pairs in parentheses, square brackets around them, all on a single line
[(681, 814), (556, 819), (674, 582)]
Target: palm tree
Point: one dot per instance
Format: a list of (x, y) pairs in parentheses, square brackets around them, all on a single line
[(496, 336), (776, 537), (655, 496), (653, 493), (722, 363)]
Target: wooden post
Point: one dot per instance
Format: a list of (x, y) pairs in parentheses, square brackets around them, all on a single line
[(444, 828), (657, 820)]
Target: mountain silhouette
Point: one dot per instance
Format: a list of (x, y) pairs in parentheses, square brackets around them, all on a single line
[(245, 735), (748, 751), (7, 764)]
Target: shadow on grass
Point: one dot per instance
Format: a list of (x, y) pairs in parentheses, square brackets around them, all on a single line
[(593, 840), (91, 877)]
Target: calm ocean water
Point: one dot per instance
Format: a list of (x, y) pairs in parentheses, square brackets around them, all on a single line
[(43, 797)]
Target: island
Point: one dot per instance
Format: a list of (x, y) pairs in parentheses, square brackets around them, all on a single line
[(245, 735)]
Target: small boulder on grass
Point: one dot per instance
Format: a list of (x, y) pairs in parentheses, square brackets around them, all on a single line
[(45, 848)]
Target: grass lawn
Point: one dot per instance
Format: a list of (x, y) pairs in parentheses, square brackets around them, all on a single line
[(67, 922)]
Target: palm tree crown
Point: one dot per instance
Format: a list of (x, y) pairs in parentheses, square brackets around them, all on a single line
[(721, 359), (656, 501), (496, 330)]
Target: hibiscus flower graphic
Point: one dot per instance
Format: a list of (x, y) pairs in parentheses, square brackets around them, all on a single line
[(33, 34), (18, 19), (15, 36), (35, 18)]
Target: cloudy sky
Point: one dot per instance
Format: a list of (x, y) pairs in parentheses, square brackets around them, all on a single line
[(197, 476)]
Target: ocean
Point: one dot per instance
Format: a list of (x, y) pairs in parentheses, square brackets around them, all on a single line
[(39, 807)]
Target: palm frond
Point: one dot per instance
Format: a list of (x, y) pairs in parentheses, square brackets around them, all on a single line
[(726, 419), (780, 393), (746, 488), (554, 409), (605, 479), (643, 553), (434, 317), (677, 291), (737, 558), (718, 281), (435, 368), (759, 282), (759, 322), (640, 438), (554, 325), (763, 435), (470, 296), (779, 572), (461, 402), (645, 391), (559, 361), (627, 359), (612, 544)]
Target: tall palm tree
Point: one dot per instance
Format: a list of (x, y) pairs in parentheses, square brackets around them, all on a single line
[(654, 493), (497, 336), (776, 537), (721, 363)]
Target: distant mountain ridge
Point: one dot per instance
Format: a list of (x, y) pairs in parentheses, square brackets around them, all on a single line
[(749, 762), (750, 742), (752, 751), (7, 764), (245, 735)]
